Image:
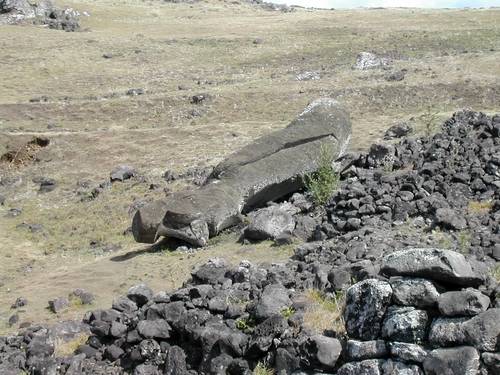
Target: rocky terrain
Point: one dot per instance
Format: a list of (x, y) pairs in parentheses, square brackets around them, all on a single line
[(147, 101), (369, 293)]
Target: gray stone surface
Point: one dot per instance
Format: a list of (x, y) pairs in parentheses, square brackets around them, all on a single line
[(359, 350), (268, 169), (435, 264), (366, 367), (483, 330), (454, 361), (327, 350), (391, 367), (466, 302), (413, 292), (269, 223), (405, 324), (447, 332), (273, 300), (366, 303), (407, 351)]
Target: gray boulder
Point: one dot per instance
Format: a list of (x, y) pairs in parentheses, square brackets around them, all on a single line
[(368, 60), (408, 352), (359, 350), (366, 303), (122, 173), (492, 361), (453, 361), (405, 324), (447, 332), (273, 300), (269, 223), (326, 350), (483, 330), (366, 367), (140, 294), (466, 302), (268, 169), (391, 367), (435, 264), (158, 329), (398, 131), (413, 292), (449, 219)]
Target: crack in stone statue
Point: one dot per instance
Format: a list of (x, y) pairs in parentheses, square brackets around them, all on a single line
[(269, 168)]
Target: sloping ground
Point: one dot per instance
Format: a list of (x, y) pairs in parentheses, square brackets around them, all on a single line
[(411, 310), (59, 85)]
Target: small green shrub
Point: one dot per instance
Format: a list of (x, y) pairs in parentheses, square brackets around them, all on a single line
[(322, 183), (262, 369), (245, 324), (287, 312)]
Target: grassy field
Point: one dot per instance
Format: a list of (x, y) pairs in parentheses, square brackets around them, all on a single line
[(246, 59)]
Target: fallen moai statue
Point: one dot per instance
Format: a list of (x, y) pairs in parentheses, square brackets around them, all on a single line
[(269, 168)]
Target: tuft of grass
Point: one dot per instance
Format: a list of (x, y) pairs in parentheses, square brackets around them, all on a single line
[(262, 369), (287, 312), (495, 272), (464, 238), (479, 207), (325, 313), (67, 348), (323, 183), (245, 324)]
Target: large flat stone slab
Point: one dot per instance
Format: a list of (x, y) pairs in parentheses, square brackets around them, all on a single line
[(436, 264), (268, 169)]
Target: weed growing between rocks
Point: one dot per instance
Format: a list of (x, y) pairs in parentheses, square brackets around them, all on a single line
[(325, 313), (323, 183), (262, 369), (66, 348), (480, 207)]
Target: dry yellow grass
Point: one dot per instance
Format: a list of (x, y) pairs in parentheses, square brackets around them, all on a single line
[(480, 207), (262, 369), (66, 348), (323, 313)]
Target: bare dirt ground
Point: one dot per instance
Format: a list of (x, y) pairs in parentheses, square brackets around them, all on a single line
[(246, 59)]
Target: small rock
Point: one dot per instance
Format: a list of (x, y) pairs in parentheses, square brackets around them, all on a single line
[(81, 295), (13, 212), (398, 131), (269, 223), (199, 98), (457, 361), (273, 300), (405, 324), (408, 352), (13, 320), (308, 76), (135, 92), (468, 302), (449, 219), (158, 329), (395, 76), (47, 185), (325, 350), (20, 302), (366, 367), (368, 60), (359, 350), (122, 173), (140, 294), (413, 292), (59, 304)]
